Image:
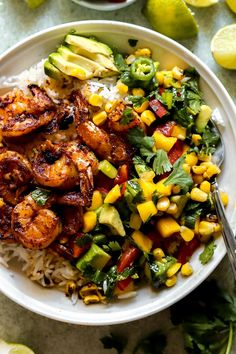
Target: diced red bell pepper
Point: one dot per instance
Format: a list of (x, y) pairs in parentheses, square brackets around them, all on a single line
[(127, 259), (187, 249), (123, 189), (122, 175), (176, 151), (161, 90), (122, 284), (166, 128), (77, 251), (158, 108)]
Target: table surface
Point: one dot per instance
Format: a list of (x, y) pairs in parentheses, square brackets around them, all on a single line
[(46, 336)]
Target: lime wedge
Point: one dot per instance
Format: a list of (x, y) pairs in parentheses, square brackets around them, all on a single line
[(34, 3), (12, 348), (223, 47), (171, 17), (232, 5), (201, 3)]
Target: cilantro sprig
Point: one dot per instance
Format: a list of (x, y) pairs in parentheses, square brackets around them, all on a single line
[(179, 176)]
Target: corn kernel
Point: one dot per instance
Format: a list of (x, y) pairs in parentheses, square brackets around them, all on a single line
[(191, 159), (171, 281), (109, 105), (1, 202), (177, 73), (135, 221), (113, 195), (173, 270), (186, 269), (148, 188), (206, 228), (146, 210), (90, 221), (96, 200), (205, 186), (167, 226), (186, 168), (143, 52), (168, 81), (198, 195), (217, 227), (176, 189), (204, 157), (95, 100), (148, 117), (211, 171), (199, 170), (130, 59), (163, 142), (196, 138), (179, 132), (186, 233), (173, 208), (159, 77), (206, 163), (163, 204), (158, 254), (147, 176), (197, 179), (138, 92), (224, 198), (196, 226), (141, 108), (122, 88), (143, 242), (100, 118)]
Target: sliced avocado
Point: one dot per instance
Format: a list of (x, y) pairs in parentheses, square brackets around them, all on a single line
[(181, 201), (99, 58), (68, 68), (51, 71), (203, 118), (95, 257), (109, 216), (90, 65), (88, 44)]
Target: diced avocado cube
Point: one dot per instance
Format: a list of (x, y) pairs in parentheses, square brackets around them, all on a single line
[(88, 44), (110, 217), (203, 118), (94, 257)]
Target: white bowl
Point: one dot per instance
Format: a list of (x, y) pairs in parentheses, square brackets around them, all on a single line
[(54, 304), (103, 5)]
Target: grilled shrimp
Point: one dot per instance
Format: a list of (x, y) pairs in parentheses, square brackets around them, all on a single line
[(34, 226), (5, 221), (115, 119), (15, 172), (21, 114), (53, 168), (106, 145)]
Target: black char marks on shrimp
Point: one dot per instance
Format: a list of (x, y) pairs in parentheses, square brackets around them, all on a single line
[(105, 145)]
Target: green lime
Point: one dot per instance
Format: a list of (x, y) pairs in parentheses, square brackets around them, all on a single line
[(12, 348), (171, 17), (223, 47), (201, 3), (232, 5), (34, 3)]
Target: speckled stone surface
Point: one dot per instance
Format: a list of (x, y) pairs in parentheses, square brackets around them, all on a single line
[(46, 336)]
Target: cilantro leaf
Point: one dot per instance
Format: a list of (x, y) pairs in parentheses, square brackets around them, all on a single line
[(161, 163), (120, 63), (179, 176), (114, 342), (184, 118), (40, 196), (148, 154), (137, 100), (154, 343), (138, 139), (210, 139), (84, 240), (140, 165), (127, 116), (208, 252)]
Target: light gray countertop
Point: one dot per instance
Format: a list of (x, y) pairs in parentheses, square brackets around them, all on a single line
[(46, 336)]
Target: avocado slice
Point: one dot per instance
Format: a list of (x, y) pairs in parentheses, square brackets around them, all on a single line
[(95, 257), (68, 68), (90, 65), (107, 62), (109, 216), (88, 44), (51, 71)]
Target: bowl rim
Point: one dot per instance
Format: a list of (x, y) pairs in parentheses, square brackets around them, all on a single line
[(145, 310), (102, 7)]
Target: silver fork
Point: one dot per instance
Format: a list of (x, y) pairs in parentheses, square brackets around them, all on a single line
[(227, 232)]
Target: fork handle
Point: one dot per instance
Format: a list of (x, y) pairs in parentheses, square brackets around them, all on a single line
[(227, 232)]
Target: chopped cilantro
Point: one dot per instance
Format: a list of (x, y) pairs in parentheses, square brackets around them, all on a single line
[(208, 252), (138, 139), (137, 100), (120, 63), (84, 240), (127, 116), (40, 196), (161, 163), (179, 176), (210, 140)]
